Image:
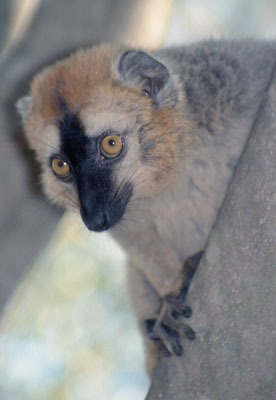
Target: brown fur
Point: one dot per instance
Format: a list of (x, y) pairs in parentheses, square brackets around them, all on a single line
[(72, 80), (88, 85)]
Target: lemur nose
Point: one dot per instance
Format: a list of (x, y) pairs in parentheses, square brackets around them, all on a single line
[(98, 222), (101, 222)]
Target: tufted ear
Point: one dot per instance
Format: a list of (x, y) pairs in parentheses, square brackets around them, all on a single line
[(23, 107), (138, 67)]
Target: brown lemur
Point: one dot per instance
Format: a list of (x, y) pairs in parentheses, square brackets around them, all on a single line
[(144, 144)]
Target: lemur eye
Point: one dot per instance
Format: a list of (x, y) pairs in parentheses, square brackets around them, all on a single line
[(60, 168), (111, 146)]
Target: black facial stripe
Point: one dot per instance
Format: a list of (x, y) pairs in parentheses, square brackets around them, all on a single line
[(82, 153), (101, 205), (74, 143)]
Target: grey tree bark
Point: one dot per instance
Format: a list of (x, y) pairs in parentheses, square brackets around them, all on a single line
[(233, 294)]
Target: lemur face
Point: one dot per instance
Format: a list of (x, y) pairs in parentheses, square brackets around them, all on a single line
[(88, 163), (105, 131)]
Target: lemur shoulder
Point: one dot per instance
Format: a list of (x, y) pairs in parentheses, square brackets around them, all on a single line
[(144, 144)]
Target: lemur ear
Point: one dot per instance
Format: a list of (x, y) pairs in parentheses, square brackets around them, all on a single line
[(138, 67), (23, 106)]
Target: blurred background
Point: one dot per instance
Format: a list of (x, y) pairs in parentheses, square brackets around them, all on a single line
[(67, 331)]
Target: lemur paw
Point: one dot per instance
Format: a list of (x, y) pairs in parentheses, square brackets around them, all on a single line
[(168, 328)]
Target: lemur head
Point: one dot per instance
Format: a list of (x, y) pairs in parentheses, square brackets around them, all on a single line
[(105, 127)]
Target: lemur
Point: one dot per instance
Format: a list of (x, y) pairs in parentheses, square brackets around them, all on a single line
[(144, 144)]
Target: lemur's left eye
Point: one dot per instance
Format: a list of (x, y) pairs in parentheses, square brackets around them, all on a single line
[(111, 146), (60, 168)]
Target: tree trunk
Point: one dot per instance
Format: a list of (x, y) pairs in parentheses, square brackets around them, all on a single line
[(233, 294)]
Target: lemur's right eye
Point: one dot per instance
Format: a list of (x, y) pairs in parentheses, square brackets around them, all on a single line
[(60, 168)]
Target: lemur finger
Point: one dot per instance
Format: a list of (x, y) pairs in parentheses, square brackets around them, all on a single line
[(188, 331), (185, 312), (170, 338)]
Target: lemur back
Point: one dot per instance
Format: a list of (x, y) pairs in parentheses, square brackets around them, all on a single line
[(144, 145)]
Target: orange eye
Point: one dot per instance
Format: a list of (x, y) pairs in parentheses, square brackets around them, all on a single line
[(60, 168), (111, 146)]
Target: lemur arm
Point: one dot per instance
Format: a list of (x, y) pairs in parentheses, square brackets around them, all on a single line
[(156, 259)]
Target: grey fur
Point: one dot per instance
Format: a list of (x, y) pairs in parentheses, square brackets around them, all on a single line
[(220, 77), (223, 106), (220, 86)]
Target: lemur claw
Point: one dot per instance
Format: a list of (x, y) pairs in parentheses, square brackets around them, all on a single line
[(168, 327)]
